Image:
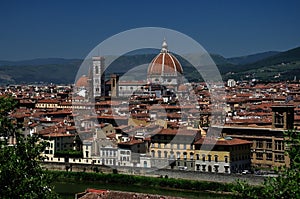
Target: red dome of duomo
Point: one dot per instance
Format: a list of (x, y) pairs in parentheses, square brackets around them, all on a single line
[(165, 64), (82, 81)]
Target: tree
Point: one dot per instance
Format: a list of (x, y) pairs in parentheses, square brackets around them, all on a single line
[(21, 175), (6, 127), (286, 185)]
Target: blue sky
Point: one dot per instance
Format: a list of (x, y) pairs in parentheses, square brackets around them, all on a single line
[(71, 29)]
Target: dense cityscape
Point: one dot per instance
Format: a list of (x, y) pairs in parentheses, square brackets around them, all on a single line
[(120, 99), (155, 125)]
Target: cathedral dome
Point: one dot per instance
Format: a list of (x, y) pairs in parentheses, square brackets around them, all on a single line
[(165, 64), (82, 81)]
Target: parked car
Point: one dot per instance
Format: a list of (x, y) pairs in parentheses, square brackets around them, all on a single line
[(246, 172), (182, 168)]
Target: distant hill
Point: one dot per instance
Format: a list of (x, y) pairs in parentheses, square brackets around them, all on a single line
[(262, 66), (282, 66), (60, 71), (251, 58)]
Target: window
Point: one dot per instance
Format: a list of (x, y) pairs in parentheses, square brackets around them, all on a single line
[(279, 157), (203, 157), (216, 158), (209, 158), (153, 153), (159, 154), (191, 155), (203, 167), (209, 168), (178, 155), (269, 156), (226, 169), (184, 155), (197, 156), (158, 145), (226, 159), (259, 144), (184, 146), (259, 155), (269, 145), (216, 168), (166, 154), (279, 145), (96, 69), (178, 146)]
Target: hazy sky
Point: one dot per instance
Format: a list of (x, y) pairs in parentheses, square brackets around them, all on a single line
[(71, 29)]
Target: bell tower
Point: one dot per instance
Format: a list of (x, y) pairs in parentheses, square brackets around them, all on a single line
[(98, 77), (283, 116), (114, 79)]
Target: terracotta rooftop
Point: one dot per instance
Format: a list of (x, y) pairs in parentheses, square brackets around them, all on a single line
[(221, 141)]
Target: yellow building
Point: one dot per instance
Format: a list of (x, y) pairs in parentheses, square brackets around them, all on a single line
[(174, 148), (222, 155)]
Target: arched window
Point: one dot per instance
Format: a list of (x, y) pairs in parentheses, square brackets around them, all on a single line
[(209, 158), (165, 154), (159, 154), (209, 168), (184, 155), (191, 155), (226, 159), (153, 153)]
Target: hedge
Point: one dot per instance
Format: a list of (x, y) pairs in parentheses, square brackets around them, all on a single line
[(141, 181)]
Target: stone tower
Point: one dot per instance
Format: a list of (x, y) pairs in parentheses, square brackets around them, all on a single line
[(283, 116), (114, 79), (98, 81)]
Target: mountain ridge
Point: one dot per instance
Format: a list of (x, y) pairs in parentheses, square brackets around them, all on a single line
[(61, 70)]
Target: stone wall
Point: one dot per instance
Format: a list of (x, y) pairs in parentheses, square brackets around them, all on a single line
[(190, 175)]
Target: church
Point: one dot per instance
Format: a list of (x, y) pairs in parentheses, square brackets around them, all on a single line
[(163, 71)]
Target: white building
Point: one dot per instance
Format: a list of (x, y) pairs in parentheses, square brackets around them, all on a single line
[(231, 83)]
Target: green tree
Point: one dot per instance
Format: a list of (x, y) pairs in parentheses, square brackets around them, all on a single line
[(6, 127), (21, 175), (286, 185)]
